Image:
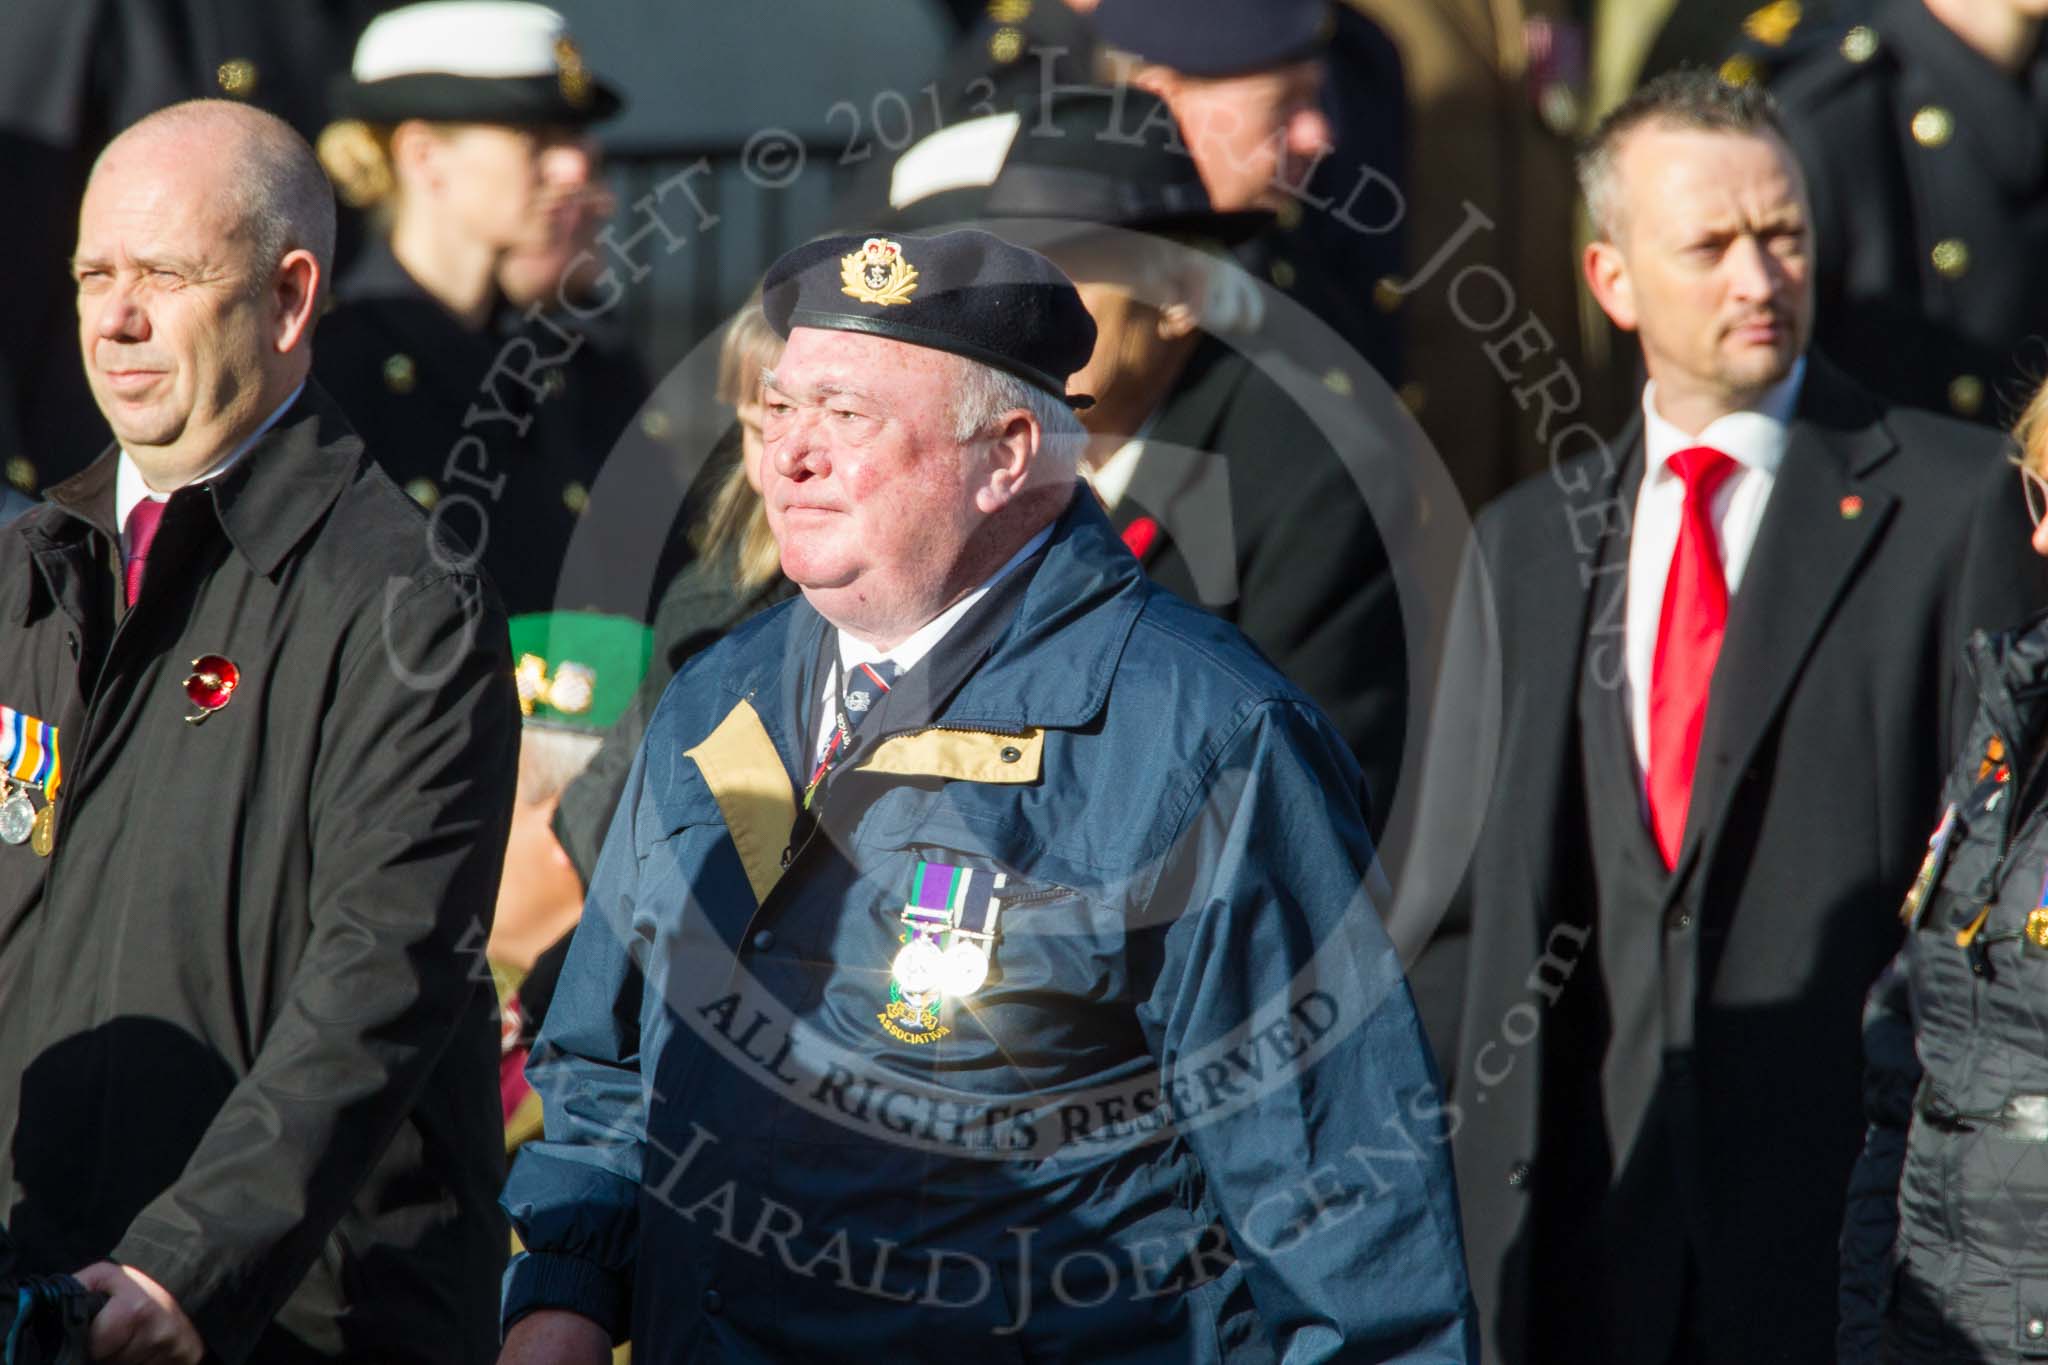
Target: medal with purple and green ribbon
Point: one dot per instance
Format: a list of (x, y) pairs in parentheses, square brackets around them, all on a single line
[(949, 931)]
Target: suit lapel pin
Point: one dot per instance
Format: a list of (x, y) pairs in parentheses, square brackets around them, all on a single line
[(1852, 507), (210, 685)]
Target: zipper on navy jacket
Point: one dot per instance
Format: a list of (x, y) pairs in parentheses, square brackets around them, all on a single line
[(1003, 730)]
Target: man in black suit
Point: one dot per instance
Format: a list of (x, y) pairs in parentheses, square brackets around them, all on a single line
[(1730, 694)]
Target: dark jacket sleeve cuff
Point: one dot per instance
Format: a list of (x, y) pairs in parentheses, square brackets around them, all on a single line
[(537, 1280), (193, 1285)]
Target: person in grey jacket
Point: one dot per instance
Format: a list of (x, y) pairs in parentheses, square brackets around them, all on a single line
[(1945, 1243)]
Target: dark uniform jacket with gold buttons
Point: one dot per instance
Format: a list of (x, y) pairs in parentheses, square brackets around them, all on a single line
[(499, 433), (246, 1034), (1945, 1250), (1188, 1117), (73, 73), (1928, 168)]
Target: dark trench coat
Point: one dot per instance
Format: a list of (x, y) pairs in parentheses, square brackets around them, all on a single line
[(242, 1046)]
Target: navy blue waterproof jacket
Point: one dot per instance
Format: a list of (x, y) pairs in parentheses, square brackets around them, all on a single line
[(1191, 1115)]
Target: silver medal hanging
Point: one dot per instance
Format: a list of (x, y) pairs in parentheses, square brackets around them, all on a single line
[(17, 817)]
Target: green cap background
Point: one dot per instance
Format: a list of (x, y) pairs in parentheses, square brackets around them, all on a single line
[(615, 649)]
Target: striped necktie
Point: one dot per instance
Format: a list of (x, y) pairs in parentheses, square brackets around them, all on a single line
[(866, 684)]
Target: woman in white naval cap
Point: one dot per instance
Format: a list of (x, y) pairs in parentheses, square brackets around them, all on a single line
[(463, 128)]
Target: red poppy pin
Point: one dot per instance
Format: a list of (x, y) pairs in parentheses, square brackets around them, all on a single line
[(1852, 507), (211, 684), (1140, 535)]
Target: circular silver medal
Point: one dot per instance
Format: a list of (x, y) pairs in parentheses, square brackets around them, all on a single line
[(17, 818), (917, 969), (963, 970)]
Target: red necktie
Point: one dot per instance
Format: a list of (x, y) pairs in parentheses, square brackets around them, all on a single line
[(1689, 632), (142, 524)]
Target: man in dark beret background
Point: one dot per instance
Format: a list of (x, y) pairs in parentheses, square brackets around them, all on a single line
[(984, 950), (1295, 107)]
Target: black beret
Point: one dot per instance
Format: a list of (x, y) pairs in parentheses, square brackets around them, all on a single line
[(1216, 37), (967, 292)]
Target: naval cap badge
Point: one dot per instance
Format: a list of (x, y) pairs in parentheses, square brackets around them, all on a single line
[(877, 273)]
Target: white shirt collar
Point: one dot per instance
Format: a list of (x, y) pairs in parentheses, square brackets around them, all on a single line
[(922, 641), (130, 489), (1755, 437), (1112, 478)]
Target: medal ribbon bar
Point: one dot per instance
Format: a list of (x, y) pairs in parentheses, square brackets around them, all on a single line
[(28, 749)]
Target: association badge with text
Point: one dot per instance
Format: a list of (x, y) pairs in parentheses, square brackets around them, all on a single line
[(949, 935)]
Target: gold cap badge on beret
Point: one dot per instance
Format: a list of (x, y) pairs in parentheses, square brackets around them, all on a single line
[(877, 273), (570, 72)]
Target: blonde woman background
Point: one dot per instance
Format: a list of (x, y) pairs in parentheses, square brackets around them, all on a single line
[(463, 130)]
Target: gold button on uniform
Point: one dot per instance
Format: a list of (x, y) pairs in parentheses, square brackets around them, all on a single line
[(22, 474), (237, 78), (1009, 11), (1414, 397), (1387, 295), (1283, 274), (1859, 44), (1739, 70), (1006, 44), (400, 374), (1288, 215), (656, 424), (1933, 126), (423, 491), (1774, 24), (575, 497), (1966, 394), (1338, 382), (1951, 256)]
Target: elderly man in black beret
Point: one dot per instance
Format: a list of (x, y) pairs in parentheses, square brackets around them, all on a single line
[(984, 954)]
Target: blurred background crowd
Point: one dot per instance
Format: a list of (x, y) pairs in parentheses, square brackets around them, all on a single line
[(1456, 117)]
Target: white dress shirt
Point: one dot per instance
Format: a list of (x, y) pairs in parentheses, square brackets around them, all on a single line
[(130, 489), (1755, 439), (905, 656), (1112, 478)]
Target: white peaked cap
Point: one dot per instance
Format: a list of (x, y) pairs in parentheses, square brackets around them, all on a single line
[(485, 39)]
